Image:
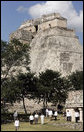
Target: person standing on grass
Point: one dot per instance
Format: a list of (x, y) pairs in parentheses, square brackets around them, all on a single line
[(31, 119), (68, 114), (76, 116), (42, 119), (55, 115), (36, 118), (50, 114), (16, 124), (46, 112)]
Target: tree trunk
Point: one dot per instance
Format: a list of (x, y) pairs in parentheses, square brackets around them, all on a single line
[(57, 104), (45, 101), (24, 105)]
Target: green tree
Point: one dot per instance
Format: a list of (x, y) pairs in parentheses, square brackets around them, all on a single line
[(13, 53), (59, 91), (9, 92), (51, 87), (19, 88), (26, 86), (76, 80)]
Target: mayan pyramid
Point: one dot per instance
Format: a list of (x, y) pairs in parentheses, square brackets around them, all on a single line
[(53, 45)]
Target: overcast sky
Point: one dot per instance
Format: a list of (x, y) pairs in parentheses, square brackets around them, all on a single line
[(13, 13)]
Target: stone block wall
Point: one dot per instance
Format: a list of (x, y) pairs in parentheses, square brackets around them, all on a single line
[(45, 22), (73, 102), (75, 99), (31, 106)]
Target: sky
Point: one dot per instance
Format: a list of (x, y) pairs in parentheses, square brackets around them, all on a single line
[(14, 13)]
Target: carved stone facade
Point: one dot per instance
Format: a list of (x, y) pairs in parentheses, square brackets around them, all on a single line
[(56, 49), (53, 45), (45, 22), (75, 101)]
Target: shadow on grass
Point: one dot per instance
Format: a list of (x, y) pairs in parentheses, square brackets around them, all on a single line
[(39, 123), (45, 123), (54, 119)]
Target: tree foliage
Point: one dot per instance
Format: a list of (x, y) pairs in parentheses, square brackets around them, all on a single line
[(51, 87), (13, 53), (19, 88), (76, 80)]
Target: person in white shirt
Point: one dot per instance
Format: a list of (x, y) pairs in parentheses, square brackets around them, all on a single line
[(68, 115), (46, 112), (50, 114), (36, 118), (76, 116), (55, 115), (42, 119), (16, 124), (31, 118)]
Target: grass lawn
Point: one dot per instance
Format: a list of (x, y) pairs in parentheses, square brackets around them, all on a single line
[(48, 126)]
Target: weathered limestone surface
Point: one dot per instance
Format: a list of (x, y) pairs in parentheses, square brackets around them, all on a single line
[(53, 45), (75, 99), (56, 49), (31, 106), (22, 35), (53, 20)]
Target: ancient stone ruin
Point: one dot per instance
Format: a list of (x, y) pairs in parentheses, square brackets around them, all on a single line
[(53, 45), (75, 101)]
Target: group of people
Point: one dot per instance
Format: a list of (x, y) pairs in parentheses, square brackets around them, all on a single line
[(35, 118), (49, 113), (32, 118), (68, 115)]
